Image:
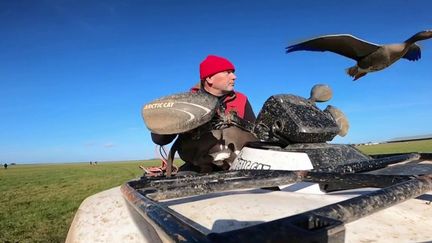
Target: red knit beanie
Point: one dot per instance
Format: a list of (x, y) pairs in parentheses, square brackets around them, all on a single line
[(214, 64)]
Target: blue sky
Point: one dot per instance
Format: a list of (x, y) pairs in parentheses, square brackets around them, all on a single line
[(75, 74)]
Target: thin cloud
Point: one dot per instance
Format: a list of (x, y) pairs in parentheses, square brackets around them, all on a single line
[(108, 145), (90, 144)]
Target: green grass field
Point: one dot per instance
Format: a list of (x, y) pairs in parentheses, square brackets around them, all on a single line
[(38, 202), (401, 147)]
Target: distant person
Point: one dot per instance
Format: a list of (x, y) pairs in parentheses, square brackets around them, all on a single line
[(5, 166), (217, 78)]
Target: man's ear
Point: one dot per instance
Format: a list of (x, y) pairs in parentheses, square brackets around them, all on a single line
[(209, 80)]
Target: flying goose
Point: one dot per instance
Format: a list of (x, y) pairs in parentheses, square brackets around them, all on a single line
[(370, 57)]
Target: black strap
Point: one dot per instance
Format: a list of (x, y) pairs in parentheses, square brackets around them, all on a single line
[(232, 119), (171, 154)]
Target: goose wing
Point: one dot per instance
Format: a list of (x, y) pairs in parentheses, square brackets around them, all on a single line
[(413, 53), (345, 45)]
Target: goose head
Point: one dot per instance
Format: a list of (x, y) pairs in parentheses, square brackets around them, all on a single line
[(422, 35)]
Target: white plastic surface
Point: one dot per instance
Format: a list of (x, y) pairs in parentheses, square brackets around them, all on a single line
[(261, 159), (107, 217)]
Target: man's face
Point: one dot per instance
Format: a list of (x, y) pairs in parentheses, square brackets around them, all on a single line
[(223, 81)]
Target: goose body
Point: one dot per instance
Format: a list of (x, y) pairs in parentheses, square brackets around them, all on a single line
[(370, 57)]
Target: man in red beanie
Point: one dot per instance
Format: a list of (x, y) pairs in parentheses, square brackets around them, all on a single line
[(217, 79)]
